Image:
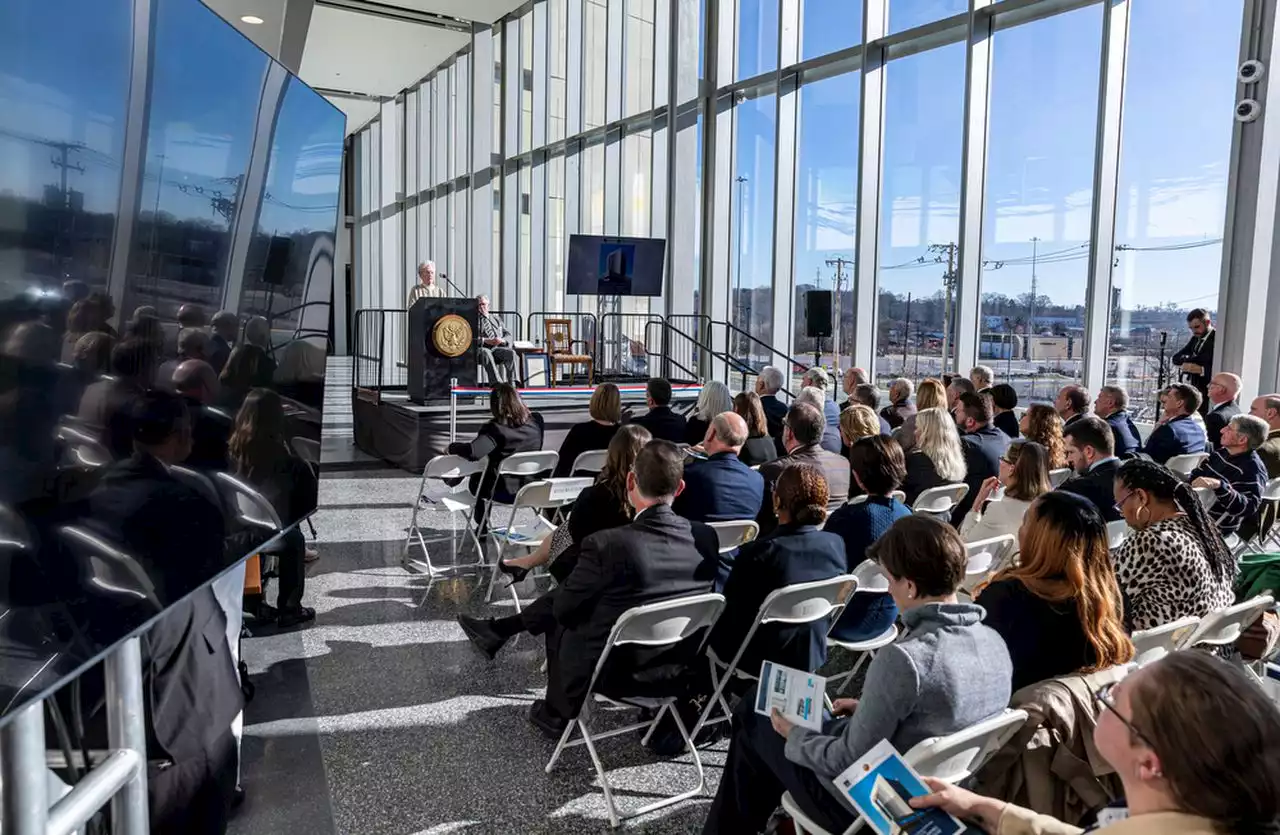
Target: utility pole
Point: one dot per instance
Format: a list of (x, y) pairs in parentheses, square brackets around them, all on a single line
[(906, 335), (60, 161), (1031, 313), (948, 286), (839, 263)]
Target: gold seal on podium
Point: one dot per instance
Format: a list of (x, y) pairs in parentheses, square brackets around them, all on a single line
[(451, 335)]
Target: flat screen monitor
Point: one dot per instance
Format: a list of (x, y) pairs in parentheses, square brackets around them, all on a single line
[(609, 266)]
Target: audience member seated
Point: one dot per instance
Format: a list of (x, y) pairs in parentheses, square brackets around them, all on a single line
[(1024, 475), (815, 397), (955, 387), (599, 507), (260, 455), (857, 421), (1112, 405), (878, 469), (196, 382), (817, 377), (1094, 464), (192, 345), (768, 384), (107, 403), (91, 355), (656, 557), (511, 428), (720, 488), (852, 378), (1071, 404), (930, 394), (1173, 564), (663, 423), (1224, 394), (225, 327), (1004, 399), (760, 447), (938, 457), (1059, 610), (948, 673), (714, 398), (794, 552), (900, 406), (605, 411), (1267, 407), (247, 368), (982, 377), (1193, 740), (1236, 475), (82, 319), (147, 328), (800, 437), (983, 447), (1177, 432), (1041, 423), (869, 396)]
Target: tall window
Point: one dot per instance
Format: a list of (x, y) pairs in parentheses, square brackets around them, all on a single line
[(558, 26), (526, 82), (908, 14), (829, 26), (556, 242), (637, 91), (751, 212), (595, 47), (757, 37)]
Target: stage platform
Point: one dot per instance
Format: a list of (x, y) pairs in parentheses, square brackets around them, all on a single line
[(407, 435)]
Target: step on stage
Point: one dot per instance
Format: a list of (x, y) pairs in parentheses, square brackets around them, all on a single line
[(408, 435)]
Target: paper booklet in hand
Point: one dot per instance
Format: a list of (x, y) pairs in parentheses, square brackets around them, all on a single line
[(880, 785), (796, 694)]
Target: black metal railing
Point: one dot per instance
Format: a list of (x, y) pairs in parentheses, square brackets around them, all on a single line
[(686, 351), (733, 333), (622, 351), (512, 321), (373, 356), (662, 362)]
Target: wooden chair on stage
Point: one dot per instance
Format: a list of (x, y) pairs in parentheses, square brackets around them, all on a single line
[(560, 349)]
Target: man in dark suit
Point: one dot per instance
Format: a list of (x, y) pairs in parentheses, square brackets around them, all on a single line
[(1224, 389), (1112, 405), (1196, 357), (1267, 407), (869, 396), (663, 424), (768, 384), (1091, 453), (1071, 404), (801, 436), (818, 378), (193, 344), (983, 445), (197, 383), (105, 404), (721, 488), (900, 406), (225, 327), (1177, 433)]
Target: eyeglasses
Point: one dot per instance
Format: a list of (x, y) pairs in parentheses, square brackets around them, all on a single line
[(1103, 698), (1120, 504)]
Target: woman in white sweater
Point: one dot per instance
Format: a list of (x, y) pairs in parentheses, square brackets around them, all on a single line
[(1024, 474)]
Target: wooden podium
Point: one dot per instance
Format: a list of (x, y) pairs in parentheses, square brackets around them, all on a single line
[(443, 335)]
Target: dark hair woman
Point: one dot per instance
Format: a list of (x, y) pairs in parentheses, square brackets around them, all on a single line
[(605, 413), (1004, 399), (1040, 423), (260, 455), (1174, 563), (947, 672), (513, 428), (1059, 610), (247, 368), (759, 448), (1024, 475), (1193, 740)]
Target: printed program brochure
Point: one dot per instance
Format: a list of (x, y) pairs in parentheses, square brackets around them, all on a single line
[(796, 694), (880, 786)]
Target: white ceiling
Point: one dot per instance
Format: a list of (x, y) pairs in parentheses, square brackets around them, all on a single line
[(362, 53)]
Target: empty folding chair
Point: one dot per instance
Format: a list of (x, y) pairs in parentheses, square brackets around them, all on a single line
[(1056, 477), (589, 462), (524, 466), (1153, 644), (939, 502), (439, 471), (1117, 532), (986, 557), (662, 624), (1224, 626), (869, 580), (735, 533), (951, 758), (1184, 464), (796, 604), (545, 500)]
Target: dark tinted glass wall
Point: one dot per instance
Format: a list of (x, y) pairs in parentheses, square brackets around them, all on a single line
[(168, 207)]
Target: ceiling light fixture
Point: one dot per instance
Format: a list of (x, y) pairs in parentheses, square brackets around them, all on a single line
[(251, 19)]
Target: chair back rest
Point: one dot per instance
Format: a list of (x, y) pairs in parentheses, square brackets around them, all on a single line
[(1271, 493), (806, 602), (198, 482), (942, 499), (84, 449), (1153, 644), (249, 506), (1205, 496), (308, 449), (559, 335), (108, 569), (1184, 464), (987, 556), (1145, 428), (899, 495), (957, 756), (1117, 531), (870, 578), (529, 463), (734, 533), (591, 461), (451, 466), (551, 492), (1056, 477), (1225, 625)]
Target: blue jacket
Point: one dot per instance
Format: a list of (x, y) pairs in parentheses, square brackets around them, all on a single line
[(1128, 441), (720, 489), (1178, 436), (831, 435), (982, 451), (866, 615)]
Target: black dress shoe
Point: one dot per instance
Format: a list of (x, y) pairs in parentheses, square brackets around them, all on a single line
[(237, 799), (515, 572), (481, 633), (543, 719)]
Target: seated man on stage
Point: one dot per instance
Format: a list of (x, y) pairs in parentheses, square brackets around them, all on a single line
[(495, 346)]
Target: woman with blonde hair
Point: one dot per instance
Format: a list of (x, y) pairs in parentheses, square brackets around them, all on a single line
[(1042, 424), (1024, 476), (857, 422), (937, 458), (1059, 611), (605, 411), (930, 395), (714, 399)]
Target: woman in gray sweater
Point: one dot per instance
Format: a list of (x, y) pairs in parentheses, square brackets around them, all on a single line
[(946, 673)]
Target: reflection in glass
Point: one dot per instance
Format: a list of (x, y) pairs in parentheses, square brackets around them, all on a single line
[(908, 14), (751, 222), (595, 46), (637, 91), (829, 26), (757, 37)]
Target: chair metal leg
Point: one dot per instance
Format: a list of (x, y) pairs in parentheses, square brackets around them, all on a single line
[(857, 666), (610, 806), (653, 726), (717, 698), (560, 746)]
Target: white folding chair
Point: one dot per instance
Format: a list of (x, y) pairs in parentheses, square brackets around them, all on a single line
[(986, 557), (106, 569), (1268, 509), (1184, 464), (1153, 644), (592, 461), (1117, 532), (308, 449), (82, 448), (896, 494), (735, 533), (1145, 428), (797, 604), (1056, 477), (939, 502), (247, 505), (440, 470), (655, 625), (539, 497), (870, 580), (1206, 497), (951, 758), (1225, 625), (525, 466)]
